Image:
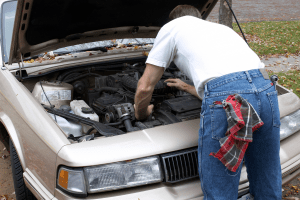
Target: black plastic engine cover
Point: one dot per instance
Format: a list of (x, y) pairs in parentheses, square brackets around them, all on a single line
[(106, 100), (182, 104)]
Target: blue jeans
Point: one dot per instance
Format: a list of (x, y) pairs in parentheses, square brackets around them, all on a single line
[(262, 156)]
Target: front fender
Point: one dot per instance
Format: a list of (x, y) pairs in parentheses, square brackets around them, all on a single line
[(12, 132)]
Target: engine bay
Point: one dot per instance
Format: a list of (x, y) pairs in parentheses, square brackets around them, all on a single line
[(98, 101)]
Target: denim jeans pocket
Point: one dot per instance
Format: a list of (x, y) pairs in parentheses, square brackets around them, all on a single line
[(219, 122), (272, 96), (217, 168)]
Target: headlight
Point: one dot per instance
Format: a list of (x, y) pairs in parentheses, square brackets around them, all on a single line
[(123, 174), (290, 124), (72, 181)]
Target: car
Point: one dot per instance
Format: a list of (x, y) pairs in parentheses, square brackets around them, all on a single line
[(66, 104)]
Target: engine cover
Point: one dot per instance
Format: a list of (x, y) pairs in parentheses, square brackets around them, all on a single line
[(183, 104), (106, 100), (184, 108)]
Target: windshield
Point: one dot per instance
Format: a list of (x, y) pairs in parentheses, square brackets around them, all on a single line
[(106, 43), (8, 17)]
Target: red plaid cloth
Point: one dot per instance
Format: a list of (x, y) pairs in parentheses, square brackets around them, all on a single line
[(242, 122)]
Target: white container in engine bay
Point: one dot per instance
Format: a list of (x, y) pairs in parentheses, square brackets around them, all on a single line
[(58, 93), (68, 126), (80, 108)]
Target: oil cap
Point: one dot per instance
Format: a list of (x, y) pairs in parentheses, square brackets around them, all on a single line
[(87, 110), (65, 108)]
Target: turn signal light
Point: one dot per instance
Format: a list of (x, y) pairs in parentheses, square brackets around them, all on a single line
[(71, 180), (63, 179)]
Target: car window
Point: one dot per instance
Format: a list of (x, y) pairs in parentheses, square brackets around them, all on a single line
[(8, 17)]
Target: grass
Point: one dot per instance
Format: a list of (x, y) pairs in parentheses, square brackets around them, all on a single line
[(272, 38), (275, 37), (290, 80)]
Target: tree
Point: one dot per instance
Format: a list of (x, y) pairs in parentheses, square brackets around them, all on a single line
[(225, 15)]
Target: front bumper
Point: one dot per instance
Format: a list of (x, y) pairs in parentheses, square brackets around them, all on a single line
[(185, 190), (189, 189)]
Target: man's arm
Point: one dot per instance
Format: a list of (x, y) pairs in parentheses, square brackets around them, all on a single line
[(145, 88), (180, 85)]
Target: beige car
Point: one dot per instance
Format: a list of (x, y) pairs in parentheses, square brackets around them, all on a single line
[(66, 96)]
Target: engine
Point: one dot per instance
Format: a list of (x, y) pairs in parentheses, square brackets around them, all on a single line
[(108, 98)]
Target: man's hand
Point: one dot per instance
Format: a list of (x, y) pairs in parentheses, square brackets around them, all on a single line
[(180, 85), (148, 111)]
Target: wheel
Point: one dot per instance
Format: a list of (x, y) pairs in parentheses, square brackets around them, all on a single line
[(22, 192)]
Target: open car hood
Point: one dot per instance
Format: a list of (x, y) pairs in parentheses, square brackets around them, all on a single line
[(41, 26)]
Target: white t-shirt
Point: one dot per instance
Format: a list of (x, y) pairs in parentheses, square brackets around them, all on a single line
[(202, 50)]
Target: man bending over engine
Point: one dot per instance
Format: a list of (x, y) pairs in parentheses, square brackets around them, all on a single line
[(225, 73)]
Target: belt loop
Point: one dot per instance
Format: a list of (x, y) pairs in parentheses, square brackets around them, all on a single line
[(206, 90), (248, 76)]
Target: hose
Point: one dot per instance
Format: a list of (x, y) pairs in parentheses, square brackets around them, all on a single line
[(108, 89), (64, 75), (81, 76), (89, 131), (129, 127), (116, 123), (130, 83)]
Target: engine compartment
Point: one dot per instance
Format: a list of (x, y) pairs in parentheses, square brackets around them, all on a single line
[(98, 101)]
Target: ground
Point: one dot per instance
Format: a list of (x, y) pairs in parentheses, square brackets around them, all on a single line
[(258, 10), (6, 181), (282, 63)]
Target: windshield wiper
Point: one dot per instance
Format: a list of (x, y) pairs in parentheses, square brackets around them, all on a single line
[(103, 49)]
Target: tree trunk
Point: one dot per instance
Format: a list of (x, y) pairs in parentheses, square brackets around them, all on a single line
[(225, 15)]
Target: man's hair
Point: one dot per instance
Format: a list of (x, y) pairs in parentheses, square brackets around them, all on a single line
[(183, 10)]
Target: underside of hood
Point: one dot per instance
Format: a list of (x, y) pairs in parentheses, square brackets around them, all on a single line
[(42, 26)]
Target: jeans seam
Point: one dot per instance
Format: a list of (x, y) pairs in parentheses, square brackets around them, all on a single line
[(237, 172), (213, 117), (272, 107), (259, 105), (253, 87), (265, 87), (240, 91), (240, 77), (232, 92), (199, 155), (226, 81)]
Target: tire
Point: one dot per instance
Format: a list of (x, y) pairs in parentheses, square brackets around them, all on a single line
[(22, 192)]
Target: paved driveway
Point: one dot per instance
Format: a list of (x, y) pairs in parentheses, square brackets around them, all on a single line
[(262, 10)]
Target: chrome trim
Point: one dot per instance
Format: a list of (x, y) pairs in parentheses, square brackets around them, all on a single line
[(32, 189), (32, 179), (185, 167), (36, 187), (294, 167)]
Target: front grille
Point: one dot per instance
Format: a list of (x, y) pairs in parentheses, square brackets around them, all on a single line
[(180, 165)]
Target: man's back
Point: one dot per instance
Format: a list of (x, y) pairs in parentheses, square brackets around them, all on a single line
[(204, 50)]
